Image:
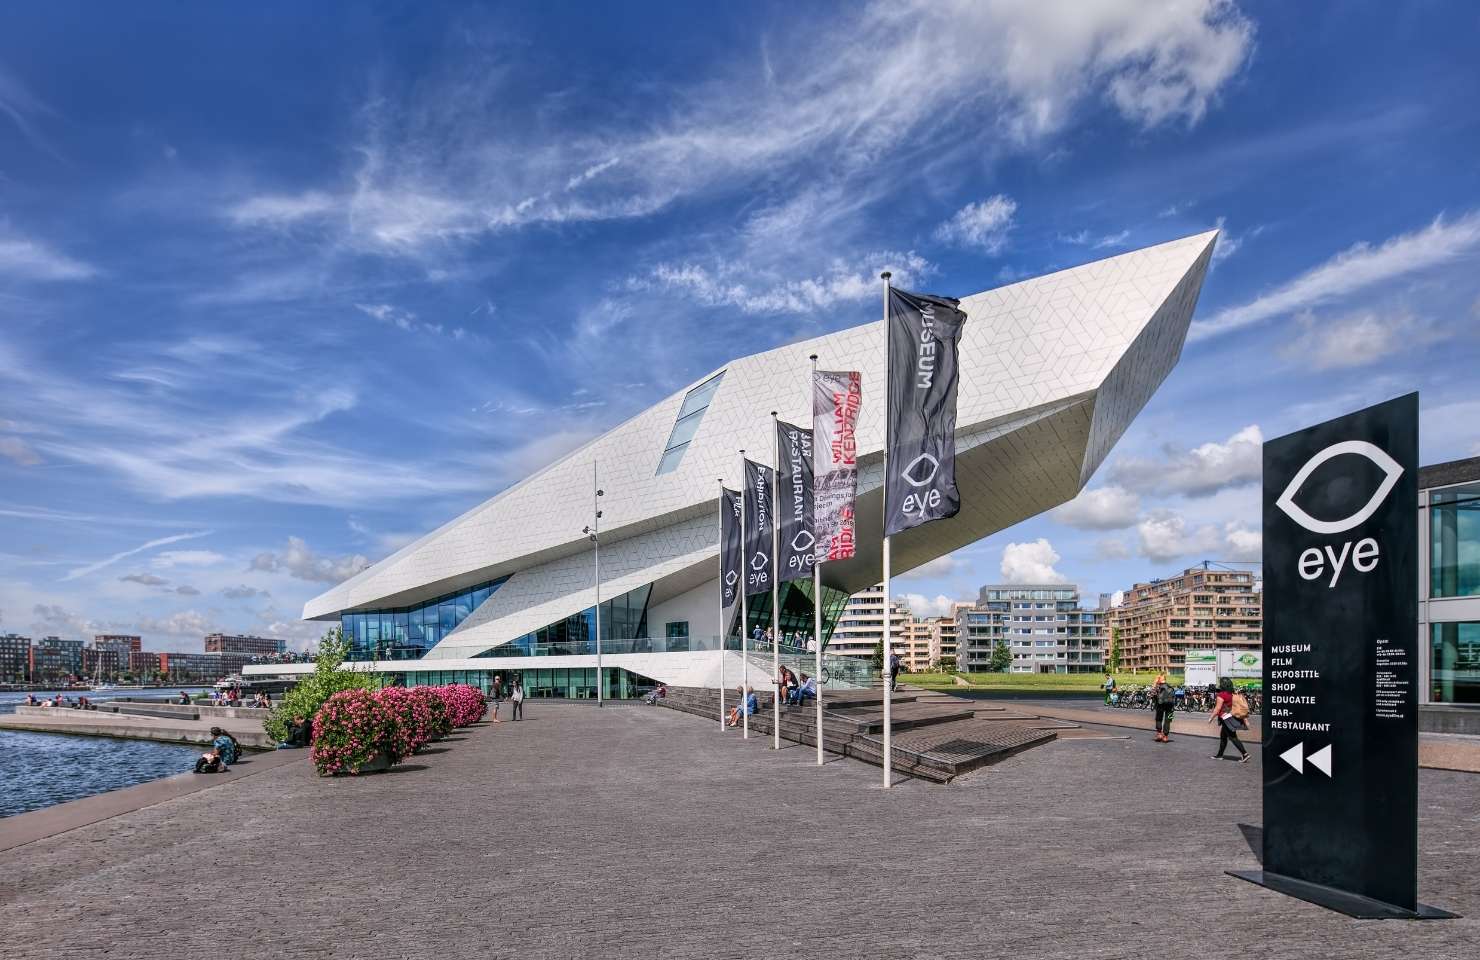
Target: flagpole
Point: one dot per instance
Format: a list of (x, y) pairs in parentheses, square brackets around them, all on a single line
[(744, 612), (775, 591), (721, 604), (816, 572), (888, 757)]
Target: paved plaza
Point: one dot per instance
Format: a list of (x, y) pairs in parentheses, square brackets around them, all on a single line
[(636, 831)]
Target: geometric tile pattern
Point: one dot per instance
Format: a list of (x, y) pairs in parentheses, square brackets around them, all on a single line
[(1053, 370)]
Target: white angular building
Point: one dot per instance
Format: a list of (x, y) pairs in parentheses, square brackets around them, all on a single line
[(1053, 370)]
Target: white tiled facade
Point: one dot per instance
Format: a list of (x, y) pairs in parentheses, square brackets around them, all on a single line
[(1053, 369)]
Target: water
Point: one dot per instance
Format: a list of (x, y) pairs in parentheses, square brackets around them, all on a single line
[(41, 769)]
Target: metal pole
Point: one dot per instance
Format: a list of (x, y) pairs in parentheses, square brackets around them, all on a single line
[(775, 594), (816, 578), (888, 757), (744, 614), (721, 604), (596, 539)]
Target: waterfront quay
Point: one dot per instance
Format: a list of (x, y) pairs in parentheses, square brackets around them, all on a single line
[(638, 831)]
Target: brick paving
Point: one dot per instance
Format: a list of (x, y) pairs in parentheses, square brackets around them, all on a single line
[(645, 832)]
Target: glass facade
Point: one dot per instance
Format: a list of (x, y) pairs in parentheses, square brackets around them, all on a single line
[(407, 633), (690, 415), (1454, 663), (570, 683), (622, 618), (796, 618), (1454, 538)]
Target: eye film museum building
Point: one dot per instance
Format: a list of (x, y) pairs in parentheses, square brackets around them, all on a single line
[(1053, 370)]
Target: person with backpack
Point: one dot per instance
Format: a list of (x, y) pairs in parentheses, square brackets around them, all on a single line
[(1165, 701), (1226, 713), (894, 663)]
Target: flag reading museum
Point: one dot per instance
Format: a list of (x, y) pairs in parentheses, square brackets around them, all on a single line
[(837, 396), (732, 551), (924, 333), (760, 561), (794, 502)]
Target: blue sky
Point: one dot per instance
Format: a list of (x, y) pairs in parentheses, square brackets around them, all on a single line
[(282, 287)]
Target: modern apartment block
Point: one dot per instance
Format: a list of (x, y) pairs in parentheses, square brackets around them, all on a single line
[(256, 646), (15, 658), (1449, 594), (861, 625), (1203, 608), (913, 645), (943, 633), (1043, 625), (122, 642), (204, 667), (54, 658)]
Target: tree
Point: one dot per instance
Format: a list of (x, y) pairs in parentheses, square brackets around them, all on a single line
[(946, 664), (1001, 657), (1114, 649), (328, 678), (878, 658)]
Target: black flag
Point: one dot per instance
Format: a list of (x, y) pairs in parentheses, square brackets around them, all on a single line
[(760, 562), (731, 550), (921, 483), (795, 539)]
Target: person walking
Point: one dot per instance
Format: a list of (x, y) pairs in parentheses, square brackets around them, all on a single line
[(894, 662), (517, 698), (1165, 701), (497, 695), (1226, 715)]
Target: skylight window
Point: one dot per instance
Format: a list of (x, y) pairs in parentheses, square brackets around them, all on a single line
[(687, 424)]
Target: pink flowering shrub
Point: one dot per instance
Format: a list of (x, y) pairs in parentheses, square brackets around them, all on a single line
[(439, 721), (352, 729), (465, 704), (413, 727)]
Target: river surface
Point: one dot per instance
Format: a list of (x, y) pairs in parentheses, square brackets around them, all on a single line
[(40, 769)]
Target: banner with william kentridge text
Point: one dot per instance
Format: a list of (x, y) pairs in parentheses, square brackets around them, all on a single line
[(760, 519), (794, 502), (837, 396), (731, 550), (920, 485)]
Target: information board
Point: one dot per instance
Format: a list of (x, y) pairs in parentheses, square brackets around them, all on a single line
[(1340, 723)]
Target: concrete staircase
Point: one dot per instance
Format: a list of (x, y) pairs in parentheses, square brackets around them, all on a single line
[(937, 737)]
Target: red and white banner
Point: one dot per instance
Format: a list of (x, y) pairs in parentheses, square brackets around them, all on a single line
[(837, 396)]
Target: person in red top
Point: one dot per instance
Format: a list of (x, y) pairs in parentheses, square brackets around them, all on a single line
[(1228, 724)]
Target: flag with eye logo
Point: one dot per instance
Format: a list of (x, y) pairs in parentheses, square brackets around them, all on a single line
[(920, 485), (795, 540), (760, 519)]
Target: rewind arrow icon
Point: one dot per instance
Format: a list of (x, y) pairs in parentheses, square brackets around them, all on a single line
[(1296, 757)]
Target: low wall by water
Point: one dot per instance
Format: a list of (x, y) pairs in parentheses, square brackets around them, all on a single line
[(106, 723)]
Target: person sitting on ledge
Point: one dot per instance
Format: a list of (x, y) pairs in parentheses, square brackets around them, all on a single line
[(807, 691), (30, 699), (225, 744), (208, 762), (659, 693), (300, 733)]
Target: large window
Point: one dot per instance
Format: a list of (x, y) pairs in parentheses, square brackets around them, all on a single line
[(407, 633), (687, 423), (1454, 668), (1454, 535), (623, 618)]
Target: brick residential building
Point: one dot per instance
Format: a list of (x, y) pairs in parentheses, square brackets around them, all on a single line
[(255, 646), (1201, 609), (122, 642)]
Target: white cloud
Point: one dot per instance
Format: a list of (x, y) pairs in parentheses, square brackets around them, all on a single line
[(32, 260), (167, 559), (942, 566), (242, 592), (1199, 472), (186, 590), (728, 287), (1358, 338), (108, 561), (189, 623), (281, 210), (984, 224), (16, 449), (1031, 563), (299, 560), (921, 606), (146, 579), (1111, 549), (1165, 535), (1104, 508), (1357, 268)]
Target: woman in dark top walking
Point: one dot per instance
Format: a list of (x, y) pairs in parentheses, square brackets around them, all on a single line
[(1228, 724)]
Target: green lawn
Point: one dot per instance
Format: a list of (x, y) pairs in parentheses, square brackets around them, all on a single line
[(1088, 683)]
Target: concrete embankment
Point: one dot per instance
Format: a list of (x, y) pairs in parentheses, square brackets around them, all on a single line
[(129, 726)]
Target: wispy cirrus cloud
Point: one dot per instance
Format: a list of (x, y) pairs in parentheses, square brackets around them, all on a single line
[(25, 258), (984, 224), (124, 554), (1361, 266)]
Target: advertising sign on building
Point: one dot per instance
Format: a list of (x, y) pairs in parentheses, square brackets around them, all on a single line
[(1241, 664), (1340, 723)]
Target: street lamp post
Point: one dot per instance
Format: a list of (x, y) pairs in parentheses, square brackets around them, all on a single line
[(594, 533)]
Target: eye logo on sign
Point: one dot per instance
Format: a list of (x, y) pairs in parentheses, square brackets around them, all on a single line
[(908, 472), (1391, 471), (759, 561), (803, 541), (730, 578)]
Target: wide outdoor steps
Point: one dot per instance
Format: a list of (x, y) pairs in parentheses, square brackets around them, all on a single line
[(936, 736)]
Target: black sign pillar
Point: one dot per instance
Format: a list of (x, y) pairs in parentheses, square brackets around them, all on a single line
[(1340, 725)]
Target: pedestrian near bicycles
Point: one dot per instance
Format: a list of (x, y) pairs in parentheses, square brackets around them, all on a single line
[(1109, 686), (1229, 723), (1165, 700)]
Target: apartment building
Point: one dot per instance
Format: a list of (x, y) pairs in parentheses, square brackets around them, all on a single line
[(944, 631), (15, 658), (1045, 629), (1203, 608), (256, 646), (53, 658), (913, 646), (861, 624)]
